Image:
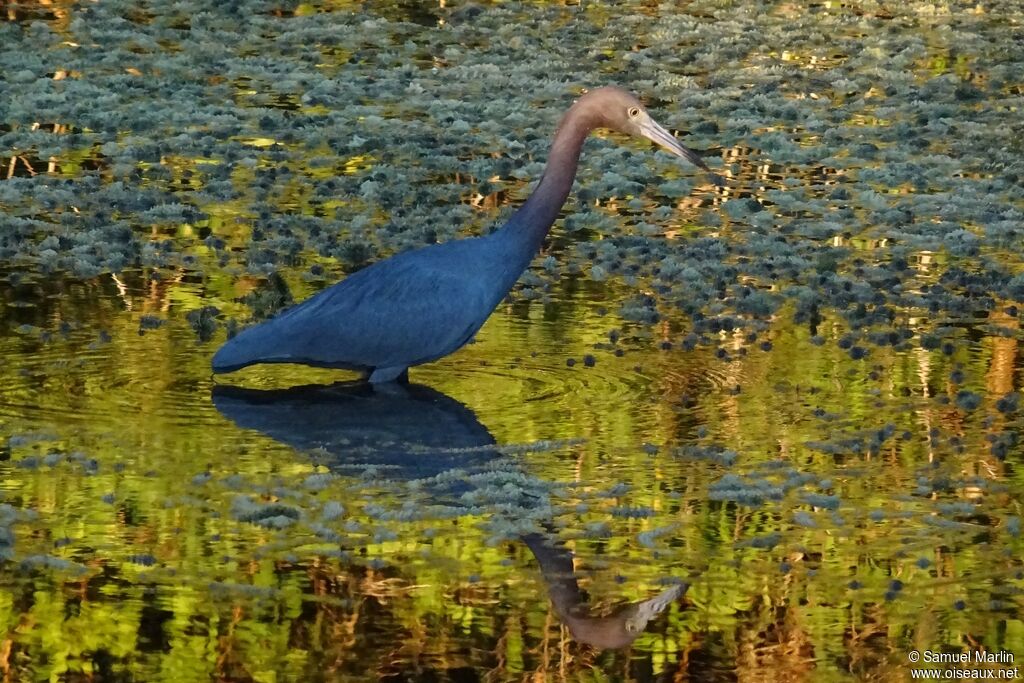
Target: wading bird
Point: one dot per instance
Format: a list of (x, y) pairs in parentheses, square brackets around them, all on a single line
[(420, 305)]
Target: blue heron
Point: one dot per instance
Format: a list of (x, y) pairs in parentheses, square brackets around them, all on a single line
[(420, 305)]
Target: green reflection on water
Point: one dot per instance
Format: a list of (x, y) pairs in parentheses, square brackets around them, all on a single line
[(133, 475)]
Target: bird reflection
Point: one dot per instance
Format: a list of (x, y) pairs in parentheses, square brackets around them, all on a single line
[(610, 631), (410, 430), (415, 432)]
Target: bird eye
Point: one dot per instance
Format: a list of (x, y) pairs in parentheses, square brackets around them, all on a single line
[(634, 112)]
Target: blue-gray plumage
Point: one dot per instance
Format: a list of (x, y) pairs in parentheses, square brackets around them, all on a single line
[(423, 304)]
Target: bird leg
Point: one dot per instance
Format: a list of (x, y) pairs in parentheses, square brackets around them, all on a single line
[(398, 373)]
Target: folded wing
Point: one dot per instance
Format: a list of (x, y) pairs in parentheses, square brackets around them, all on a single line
[(402, 311)]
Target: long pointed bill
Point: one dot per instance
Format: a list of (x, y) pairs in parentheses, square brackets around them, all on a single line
[(653, 131)]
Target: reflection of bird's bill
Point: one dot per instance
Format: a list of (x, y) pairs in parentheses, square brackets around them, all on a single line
[(648, 609), (654, 132)]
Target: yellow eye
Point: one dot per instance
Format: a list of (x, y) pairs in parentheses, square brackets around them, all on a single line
[(634, 112)]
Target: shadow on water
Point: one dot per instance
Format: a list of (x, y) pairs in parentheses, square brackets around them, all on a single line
[(413, 432)]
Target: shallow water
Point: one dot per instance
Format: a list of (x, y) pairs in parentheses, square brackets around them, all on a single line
[(794, 397)]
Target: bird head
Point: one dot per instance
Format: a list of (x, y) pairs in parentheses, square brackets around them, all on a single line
[(619, 110)]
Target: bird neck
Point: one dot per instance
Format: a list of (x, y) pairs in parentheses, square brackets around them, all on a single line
[(530, 224)]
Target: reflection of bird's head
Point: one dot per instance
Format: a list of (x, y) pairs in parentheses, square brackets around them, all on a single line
[(622, 627), (644, 611)]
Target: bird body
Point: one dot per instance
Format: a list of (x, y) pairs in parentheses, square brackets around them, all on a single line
[(420, 305), (407, 310)]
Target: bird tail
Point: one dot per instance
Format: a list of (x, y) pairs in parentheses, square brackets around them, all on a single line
[(248, 347), (230, 357)]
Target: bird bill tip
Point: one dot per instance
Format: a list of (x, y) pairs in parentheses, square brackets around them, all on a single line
[(654, 132)]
